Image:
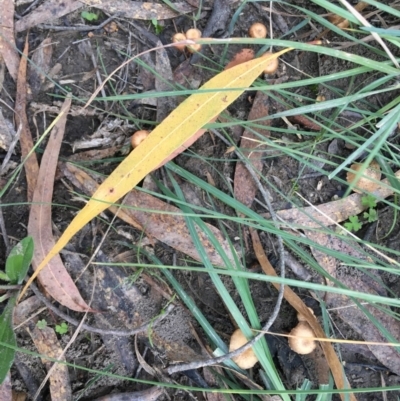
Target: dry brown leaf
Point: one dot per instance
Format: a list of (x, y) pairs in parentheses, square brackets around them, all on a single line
[(294, 300), (8, 48), (168, 228), (245, 188), (171, 228), (48, 11), (40, 66), (241, 57), (26, 141), (47, 345), (54, 278), (140, 10)]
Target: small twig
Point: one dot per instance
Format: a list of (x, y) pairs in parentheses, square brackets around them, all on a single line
[(91, 329), (26, 11), (4, 233), (212, 361), (10, 287), (83, 28)]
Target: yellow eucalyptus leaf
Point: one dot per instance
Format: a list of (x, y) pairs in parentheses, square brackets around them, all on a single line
[(190, 116)]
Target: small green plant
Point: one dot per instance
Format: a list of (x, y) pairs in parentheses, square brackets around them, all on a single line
[(89, 16), (158, 28), (62, 328), (371, 215), (369, 201), (354, 224), (17, 265), (41, 324)]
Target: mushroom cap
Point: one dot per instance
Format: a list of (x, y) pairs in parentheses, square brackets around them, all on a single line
[(246, 359), (301, 344), (194, 48), (271, 65), (367, 182), (193, 33), (179, 37), (302, 318), (138, 137), (258, 30)]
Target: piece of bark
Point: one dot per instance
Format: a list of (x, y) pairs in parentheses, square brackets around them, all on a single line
[(8, 48), (151, 394), (216, 24), (332, 212), (48, 11), (40, 65), (47, 344), (245, 188), (26, 141), (140, 10)]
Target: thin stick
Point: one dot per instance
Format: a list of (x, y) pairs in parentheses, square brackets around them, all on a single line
[(78, 28)]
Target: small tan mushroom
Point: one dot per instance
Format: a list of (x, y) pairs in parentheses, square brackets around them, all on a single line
[(303, 341), (138, 137), (271, 65), (194, 48), (302, 318), (179, 37), (258, 31), (246, 359), (193, 34), (367, 182)]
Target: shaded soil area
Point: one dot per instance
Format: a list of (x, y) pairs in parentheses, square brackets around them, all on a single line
[(124, 298)]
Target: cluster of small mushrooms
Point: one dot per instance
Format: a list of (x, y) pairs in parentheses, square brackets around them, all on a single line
[(256, 31), (301, 341), (191, 34)]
